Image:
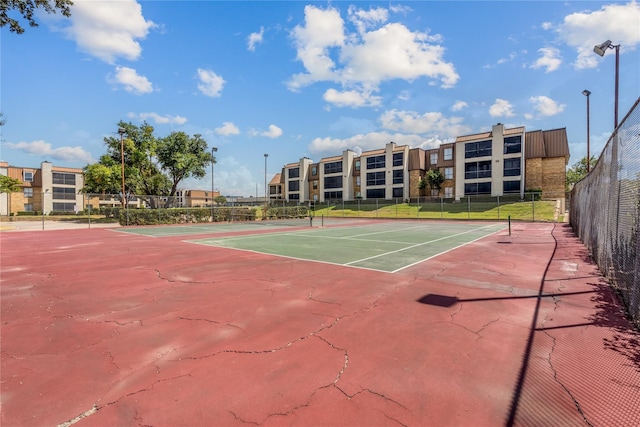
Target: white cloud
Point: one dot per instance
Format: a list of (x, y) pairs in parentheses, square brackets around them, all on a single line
[(273, 132), (550, 59), (501, 108), (427, 123), (584, 30), (108, 29), (364, 19), (359, 61), (254, 39), (131, 81), (227, 128), (158, 119), (44, 149), (546, 106), (351, 98), (365, 142), (547, 25), (210, 84), (459, 105)]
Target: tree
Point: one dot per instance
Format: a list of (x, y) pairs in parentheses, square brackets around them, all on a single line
[(220, 200), (434, 178), (578, 171), (2, 119), (9, 185), (27, 8), (182, 156), (152, 166)]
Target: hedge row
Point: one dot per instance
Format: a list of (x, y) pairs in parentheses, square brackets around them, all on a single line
[(286, 212), (184, 215)]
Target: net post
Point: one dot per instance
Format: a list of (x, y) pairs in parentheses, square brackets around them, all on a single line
[(322, 220), (509, 219)]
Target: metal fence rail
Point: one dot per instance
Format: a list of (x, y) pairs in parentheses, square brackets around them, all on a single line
[(605, 210)]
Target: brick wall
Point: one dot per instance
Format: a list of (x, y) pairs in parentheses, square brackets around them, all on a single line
[(549, 174)]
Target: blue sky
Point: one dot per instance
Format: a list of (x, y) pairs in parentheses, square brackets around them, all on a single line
[(295, 79)]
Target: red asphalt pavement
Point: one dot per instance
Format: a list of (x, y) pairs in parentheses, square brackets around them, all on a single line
[(101, 328)]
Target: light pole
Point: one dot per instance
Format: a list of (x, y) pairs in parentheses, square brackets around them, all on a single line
[(265, 179), (600, 49), (122, 131), (587, 93), (213, 150)]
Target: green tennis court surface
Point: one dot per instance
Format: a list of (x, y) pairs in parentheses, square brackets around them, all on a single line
[(388, 246)]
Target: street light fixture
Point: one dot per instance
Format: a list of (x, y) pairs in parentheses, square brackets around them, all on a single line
[(122, 131), (213, 150), (600, 49), (587, 93)]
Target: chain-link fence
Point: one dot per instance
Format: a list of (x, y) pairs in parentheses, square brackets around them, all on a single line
[(500, 208), (605, 207)]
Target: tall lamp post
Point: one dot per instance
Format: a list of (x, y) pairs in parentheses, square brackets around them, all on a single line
[(587, 93), (600, 49), (213, 150), (122, 131), (265, 179)]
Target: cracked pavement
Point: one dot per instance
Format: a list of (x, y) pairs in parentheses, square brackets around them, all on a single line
[(161, 332)]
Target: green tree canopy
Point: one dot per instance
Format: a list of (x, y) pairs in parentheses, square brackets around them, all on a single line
[(27, 8), (182, 156), (434, 178), (578, 171), (152, 166), (220, 200), (9, 185)]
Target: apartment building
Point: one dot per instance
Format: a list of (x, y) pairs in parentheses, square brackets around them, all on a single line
[(45, 189), (275, 188), (500, 162)]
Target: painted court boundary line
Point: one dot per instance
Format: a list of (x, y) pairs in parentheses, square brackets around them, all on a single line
[(284, 256), (448, 250), (420, 244)]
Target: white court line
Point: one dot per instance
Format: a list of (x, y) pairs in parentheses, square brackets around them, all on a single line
[(418, 244), (286, 256), (444, 252)]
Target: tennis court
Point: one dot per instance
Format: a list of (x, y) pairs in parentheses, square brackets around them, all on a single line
[(388, 246)]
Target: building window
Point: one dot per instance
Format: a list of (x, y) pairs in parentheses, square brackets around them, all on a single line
[(511, 186), (27, 177), (375, 178), (475, 170), (358, 181), (27, 192), (332, 182), (435, 192), (433, 158), (333, 167), (512, 167), (64, 178), (477, 149), (477, 188), (315, 185), (448, 192), (358, 194), (294, 185), (64, 207), (28, 207), (315, 197), (294, 173), (357, 165), (398, 192), (513, 144), (448, 153), (375, 162), (398, 177), (62, 193), (314, 170), (328, 195), (375, 193), (398, 159), (295, 196), (448, 173)]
